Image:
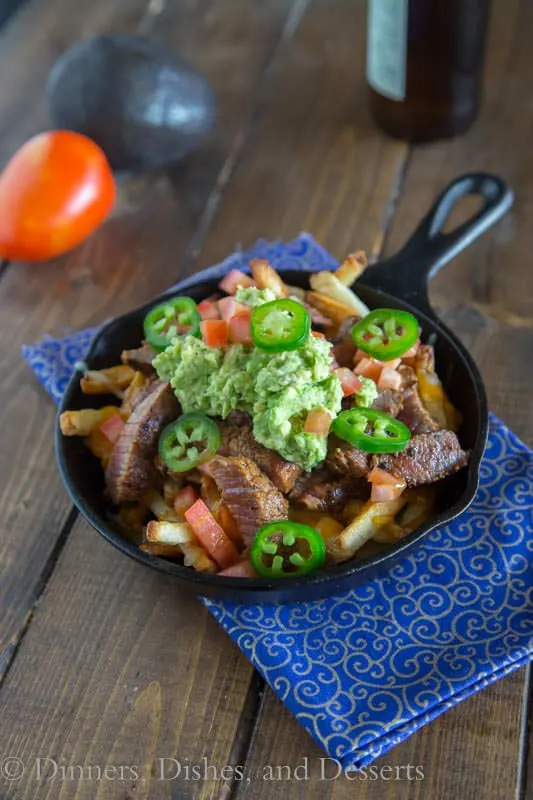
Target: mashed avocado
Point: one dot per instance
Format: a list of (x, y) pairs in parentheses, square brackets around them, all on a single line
[(253, 296), (278, 389), (367, 393)]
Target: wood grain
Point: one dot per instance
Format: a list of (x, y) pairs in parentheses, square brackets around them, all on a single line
[(119, 667), (314, 160), (137, 253), (471, 751), (424, 766)]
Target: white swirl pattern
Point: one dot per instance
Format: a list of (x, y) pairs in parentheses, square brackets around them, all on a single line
[(364, 670)]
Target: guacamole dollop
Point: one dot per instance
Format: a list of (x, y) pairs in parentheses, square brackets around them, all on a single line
[(277, 389), (367, 393), (252, 296)]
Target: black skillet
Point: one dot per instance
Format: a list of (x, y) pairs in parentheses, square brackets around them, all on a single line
[(401, 282)]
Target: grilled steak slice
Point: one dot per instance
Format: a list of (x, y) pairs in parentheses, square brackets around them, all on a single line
[(344, 459), (388, 401), (344, 348), (322, 490), (141, 358), (131, 467), (240, 442), (427, 458), (345, 328), (251, 498), (413, 413), (240, 418)]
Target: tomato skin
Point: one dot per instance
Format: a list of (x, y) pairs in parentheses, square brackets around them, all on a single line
[(54, 192)]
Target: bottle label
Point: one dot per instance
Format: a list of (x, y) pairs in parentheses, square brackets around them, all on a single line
[(386, 49)]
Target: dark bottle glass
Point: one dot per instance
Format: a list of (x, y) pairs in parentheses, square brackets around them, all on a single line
[(424, 65)]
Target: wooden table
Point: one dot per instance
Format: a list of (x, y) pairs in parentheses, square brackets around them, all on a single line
[(103, 662)]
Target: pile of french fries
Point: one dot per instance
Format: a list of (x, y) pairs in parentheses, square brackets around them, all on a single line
[(372, 525)]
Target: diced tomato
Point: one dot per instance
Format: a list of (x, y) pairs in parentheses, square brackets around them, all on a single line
[(369, 368), (385, 485), (240, 331), (208, 310), (242, 569), (184, 499), (318, 334), (359, 355), (229, 307), (349, 381), (413, 350), (233, 280), (382, 493), (389, 379), (204, 468), (318, 422), (214, 332), (210, 534), (112, 427), (393, 364)]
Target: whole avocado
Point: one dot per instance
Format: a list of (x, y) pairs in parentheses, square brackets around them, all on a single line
[(143, 104)]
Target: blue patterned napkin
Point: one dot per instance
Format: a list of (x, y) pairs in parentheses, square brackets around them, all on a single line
[(362, 671)]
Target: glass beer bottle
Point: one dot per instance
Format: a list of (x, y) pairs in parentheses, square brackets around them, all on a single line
[(424, 65)]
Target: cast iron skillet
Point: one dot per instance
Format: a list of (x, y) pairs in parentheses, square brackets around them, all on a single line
[(400, 282)]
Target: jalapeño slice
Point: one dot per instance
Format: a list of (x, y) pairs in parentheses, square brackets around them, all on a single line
[(280, 325), (386, 333), (286, 549), (172, 318), (188, 441), (371, 430)]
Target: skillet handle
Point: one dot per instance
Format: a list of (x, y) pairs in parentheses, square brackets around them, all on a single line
[(406, 274)]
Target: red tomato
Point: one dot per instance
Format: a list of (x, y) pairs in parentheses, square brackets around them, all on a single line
[(210, 535), (385, 486), (318, 334), (233, 279), (112, 427), (228, 307), (184, 499), (317, 422), (389, 379), (350, 383), (240, 331), (208, 310), (56, 190), (242, 569), (214, 332), (370, 368)]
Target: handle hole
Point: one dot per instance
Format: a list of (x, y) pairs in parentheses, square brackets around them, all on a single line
[(462, 212)]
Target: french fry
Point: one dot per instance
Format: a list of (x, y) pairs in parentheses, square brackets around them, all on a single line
[(159, 508), (297, 292), (164, 550), (420, 506), (328, 284), (112, 380), (169, 532), (351, 268), (266, 277), (81, 423), (337, 312), (137, 382), (362, 528), (431, 390), (196, 557)]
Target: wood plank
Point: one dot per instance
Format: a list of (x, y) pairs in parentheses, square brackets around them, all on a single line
[(314, 160), (472, 750), (137, 253), (119, 668), (423, 766), (74, 598)]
